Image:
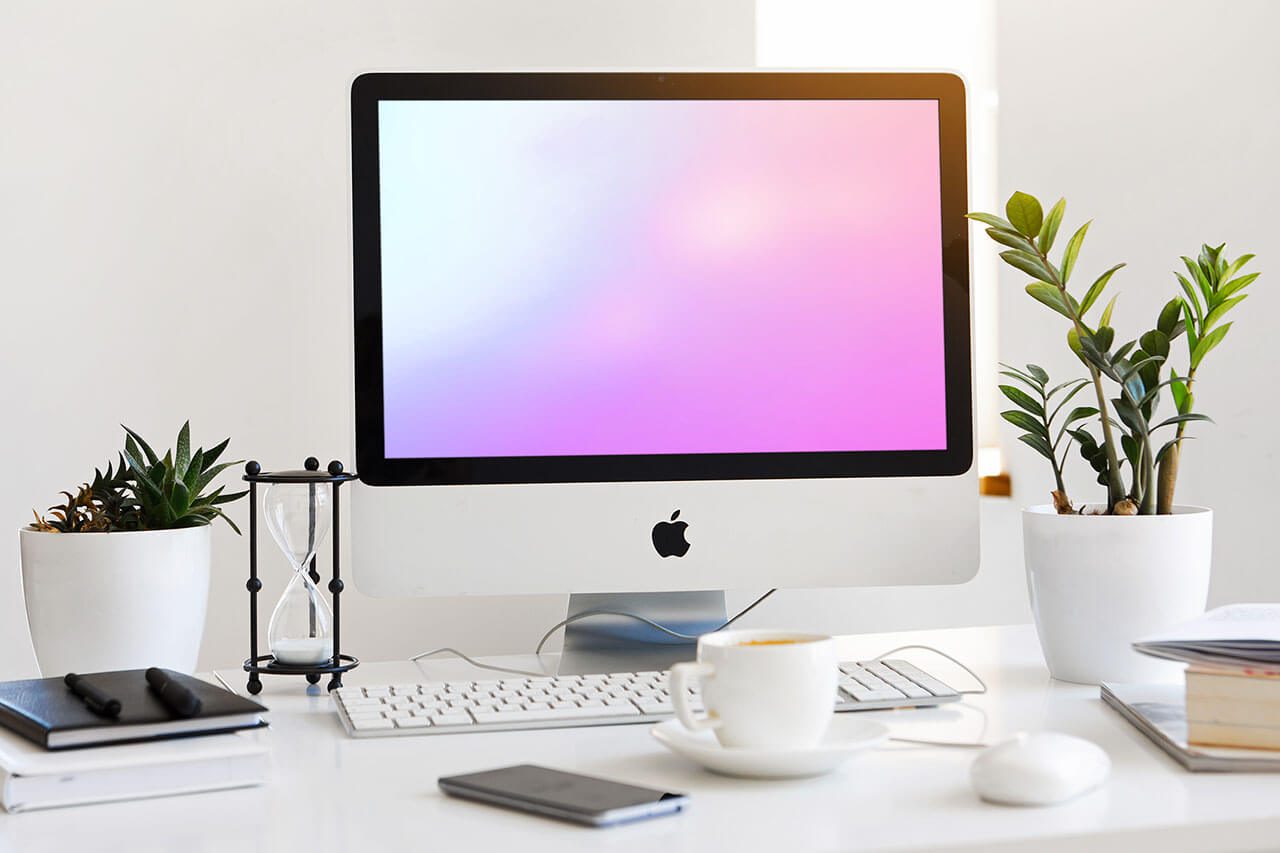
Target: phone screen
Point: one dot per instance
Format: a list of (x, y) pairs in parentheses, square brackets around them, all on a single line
[(585, 799)]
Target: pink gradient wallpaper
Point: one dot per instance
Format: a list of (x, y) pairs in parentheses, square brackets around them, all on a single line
[(634, 277)]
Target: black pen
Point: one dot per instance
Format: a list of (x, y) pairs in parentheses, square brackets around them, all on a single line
[(174, 696), (97, 701)]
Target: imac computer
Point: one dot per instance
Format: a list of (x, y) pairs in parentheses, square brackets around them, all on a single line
[(641, 337)]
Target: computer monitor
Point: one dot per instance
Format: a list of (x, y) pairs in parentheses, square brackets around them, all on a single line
[(641, 332)]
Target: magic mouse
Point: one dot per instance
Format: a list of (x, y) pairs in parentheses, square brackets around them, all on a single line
[(1039, 769)]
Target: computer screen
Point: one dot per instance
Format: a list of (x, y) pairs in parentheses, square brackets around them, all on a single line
[(617, 277)]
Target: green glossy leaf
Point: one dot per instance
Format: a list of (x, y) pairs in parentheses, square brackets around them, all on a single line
[(1049, 295), (1029, 264), (1073, 250), (1170, 314), (1105, 319), (1215, 316), (992, 220), (1023, 400), (1025, 213), (1039, 443), (1229, 271), (1012, 239), (1198, 275), (1192, 300), (211, 455), (1079, 413), (1104, 337), (1080, 383), (1026, 422), (1041, 375), (1049, 230), (1236, 284), (1178, 419), (1207, 343), (1155, 342), (1095, 289)]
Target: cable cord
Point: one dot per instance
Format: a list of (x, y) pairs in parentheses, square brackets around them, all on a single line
[(982, 688), (586, 614), (418, 657)]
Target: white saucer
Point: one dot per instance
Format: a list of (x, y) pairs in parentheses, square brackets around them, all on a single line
[(852, 737)]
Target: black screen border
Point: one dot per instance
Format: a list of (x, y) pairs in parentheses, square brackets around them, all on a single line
[(368, 90)]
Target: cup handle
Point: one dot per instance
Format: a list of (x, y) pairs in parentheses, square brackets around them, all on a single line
[(683, 675)]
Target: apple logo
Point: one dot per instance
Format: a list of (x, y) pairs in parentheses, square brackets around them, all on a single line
[(668, 537)]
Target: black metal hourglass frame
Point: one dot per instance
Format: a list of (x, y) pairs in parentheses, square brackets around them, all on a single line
[(257, 665)]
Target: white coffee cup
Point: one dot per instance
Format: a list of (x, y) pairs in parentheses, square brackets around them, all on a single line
[(761, 689)]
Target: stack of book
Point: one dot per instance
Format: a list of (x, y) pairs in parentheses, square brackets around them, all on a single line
[(1230, 708), (118, 738), (1233, 681)]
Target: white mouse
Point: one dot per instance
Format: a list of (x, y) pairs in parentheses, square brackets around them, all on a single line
[(1039, 769)]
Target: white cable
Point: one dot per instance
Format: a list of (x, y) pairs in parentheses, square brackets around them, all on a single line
[(982, 685), (416, 658), (664, 629)]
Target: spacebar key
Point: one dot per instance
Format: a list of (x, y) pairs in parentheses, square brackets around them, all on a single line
[(537, 716)]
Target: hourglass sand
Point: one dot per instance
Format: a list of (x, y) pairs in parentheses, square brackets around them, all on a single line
[(300, 508)]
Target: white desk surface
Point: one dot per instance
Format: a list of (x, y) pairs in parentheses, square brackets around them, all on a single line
[(333, 793)]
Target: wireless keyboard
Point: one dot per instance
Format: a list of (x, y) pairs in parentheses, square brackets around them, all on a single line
[(547, 702)]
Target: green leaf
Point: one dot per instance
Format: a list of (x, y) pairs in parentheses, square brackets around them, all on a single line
[(1237, 284), (182, 450), (1105, 320), (1207, 343), (1025, 213), (1049, 295), (1169, 316), (992, 220), (1222, 307), (1049, 230), (1038, 372), (1024, 421), (1179, 389), (211, 455), (1029, 264), (1189, 325), (193, 470), (1199, 276), (1229, 271), (1012, 239), (1155, 342), (209, 473), (1072, 250), (1178, 419), (181, 500), (1193, 301), (146, 448), (1040, 444), (1104, 337), (1023, 400), (1053, 391), (1095, 290), (1079, 413)]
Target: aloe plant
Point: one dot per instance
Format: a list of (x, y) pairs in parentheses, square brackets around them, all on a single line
[(145, 492), (171, 490), (1134, 369)]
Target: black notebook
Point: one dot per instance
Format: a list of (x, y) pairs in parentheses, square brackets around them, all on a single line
[(45, 710)]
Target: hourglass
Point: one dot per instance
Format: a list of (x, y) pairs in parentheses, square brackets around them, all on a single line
[(300, 508)]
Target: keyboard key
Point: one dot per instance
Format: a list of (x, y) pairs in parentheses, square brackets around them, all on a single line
[(453, 719), (368, 724), (413, 723)]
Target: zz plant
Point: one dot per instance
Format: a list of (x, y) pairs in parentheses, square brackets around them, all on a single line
[(146, 492), (1136, 452)]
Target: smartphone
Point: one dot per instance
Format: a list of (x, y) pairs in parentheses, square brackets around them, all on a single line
[(568, 796)]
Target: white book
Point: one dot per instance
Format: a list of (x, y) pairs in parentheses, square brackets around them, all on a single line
[(34, 778), (1239, 636)]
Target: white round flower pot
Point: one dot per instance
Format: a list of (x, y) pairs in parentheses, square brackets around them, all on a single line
[(121, 600), (1099, 582)]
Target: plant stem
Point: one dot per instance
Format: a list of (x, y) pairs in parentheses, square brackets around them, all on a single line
[(1169, 464), (1115, 484)]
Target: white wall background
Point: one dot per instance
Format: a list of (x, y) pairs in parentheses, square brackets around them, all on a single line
[(174, 234), (1158, 118), (174, 241)]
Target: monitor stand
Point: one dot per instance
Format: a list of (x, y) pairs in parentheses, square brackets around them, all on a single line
[(608, 643)]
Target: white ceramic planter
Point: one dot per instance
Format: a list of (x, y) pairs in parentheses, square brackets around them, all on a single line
[(1097, 583), (125, 600)]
